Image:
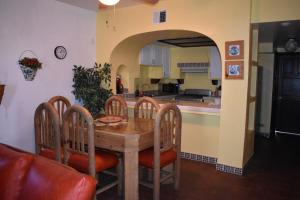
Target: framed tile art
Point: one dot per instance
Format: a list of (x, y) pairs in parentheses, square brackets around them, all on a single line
[(234, 50), (234, 69)]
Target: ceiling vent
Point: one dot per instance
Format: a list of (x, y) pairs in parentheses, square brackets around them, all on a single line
[(159, 16), (193, 67)]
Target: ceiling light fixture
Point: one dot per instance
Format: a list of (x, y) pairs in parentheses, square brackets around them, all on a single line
[(109, 2)]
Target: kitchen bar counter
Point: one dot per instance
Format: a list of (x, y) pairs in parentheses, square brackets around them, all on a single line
[(200, 125), (194, 107)]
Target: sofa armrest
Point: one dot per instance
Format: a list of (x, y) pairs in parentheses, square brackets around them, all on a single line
[(48, 179), (14, 167), (26, 176)]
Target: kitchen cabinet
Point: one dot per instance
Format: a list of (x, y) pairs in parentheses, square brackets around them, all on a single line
[(215, 64), (151, 55), (166, 61), (156, 55)]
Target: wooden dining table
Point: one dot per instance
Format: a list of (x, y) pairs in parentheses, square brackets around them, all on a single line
[(130, 138)]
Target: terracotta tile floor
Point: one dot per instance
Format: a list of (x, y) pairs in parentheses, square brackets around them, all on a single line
[(273, 173)]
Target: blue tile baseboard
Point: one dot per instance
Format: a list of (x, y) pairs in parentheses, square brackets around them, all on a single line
[(196, 157), (212, 160), (229, 169)]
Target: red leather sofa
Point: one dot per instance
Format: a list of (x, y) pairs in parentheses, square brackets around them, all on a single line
[(27, 176)]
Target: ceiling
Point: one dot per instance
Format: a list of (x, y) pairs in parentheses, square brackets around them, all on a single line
[(93, 5), (279, 32)]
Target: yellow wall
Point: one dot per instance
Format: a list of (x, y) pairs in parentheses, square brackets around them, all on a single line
[(121, 36), (191, 55), (197, 81), (199, 134), (275, 10), (146, 73)]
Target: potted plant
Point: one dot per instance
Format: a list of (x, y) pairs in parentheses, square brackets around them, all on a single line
[(29, 66), (1, 92), (91, 86)]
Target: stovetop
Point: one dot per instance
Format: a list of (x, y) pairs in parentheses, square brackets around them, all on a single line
[(190, 97)]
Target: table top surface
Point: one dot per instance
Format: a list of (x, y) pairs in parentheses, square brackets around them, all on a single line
[(132, 127)]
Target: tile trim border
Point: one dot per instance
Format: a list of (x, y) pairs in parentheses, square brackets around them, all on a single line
[(212, 160), (229, 169), (201, 158)]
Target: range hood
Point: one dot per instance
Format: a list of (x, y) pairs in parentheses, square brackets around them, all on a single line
[(193, 67)]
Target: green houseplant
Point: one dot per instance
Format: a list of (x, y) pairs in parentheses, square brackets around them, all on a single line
[(90, 86)]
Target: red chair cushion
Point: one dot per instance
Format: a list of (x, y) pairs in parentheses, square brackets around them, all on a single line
[(103, 161), (13, 169), (50, 153), (146, 158), (50, 180)]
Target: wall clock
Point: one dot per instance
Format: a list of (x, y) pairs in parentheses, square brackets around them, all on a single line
[(60, 52)]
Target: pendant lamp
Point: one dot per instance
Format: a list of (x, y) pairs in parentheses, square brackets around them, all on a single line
[(109, 2)]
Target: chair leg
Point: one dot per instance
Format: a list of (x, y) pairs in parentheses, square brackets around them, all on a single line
[(149, 175), (176, 174), (120, 175), (156, 184)]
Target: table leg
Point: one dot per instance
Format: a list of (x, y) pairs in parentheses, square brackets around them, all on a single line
[(131, 175)]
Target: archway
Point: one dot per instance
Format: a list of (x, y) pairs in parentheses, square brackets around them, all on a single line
[(127, 52), (201, 128)]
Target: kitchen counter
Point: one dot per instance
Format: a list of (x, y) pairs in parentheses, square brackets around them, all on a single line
[(194, 107), (200, 125)]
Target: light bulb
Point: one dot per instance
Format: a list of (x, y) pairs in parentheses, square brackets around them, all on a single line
[(109, 2)]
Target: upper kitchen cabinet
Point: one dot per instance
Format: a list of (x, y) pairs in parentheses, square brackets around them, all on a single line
[(215, 63), (156, 55), (166, 61), (151, 55)]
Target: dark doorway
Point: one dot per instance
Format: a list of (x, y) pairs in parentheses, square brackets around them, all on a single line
[(286, 99)]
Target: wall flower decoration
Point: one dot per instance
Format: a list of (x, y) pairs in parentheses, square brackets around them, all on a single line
[(29, 66)]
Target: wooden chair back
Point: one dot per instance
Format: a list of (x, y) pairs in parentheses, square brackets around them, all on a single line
[(61, 104), (47, 129), (78, 128), (146, 107), (116, 105), (167, 136)]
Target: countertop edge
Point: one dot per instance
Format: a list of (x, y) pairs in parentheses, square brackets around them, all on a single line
[(189, 109)]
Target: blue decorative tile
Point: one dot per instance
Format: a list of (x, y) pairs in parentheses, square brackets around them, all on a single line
[(206, 159), (229, 169)]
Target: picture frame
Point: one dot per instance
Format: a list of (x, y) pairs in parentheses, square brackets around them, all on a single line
[(234, 69), (234, 50)]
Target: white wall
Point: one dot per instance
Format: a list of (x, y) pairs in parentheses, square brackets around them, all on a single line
[(39, 25)]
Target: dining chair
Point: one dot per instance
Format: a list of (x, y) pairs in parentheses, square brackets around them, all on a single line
[(47, 132), (146, 107), (166, 150), (79, 146), (61, 104), (117, 106)]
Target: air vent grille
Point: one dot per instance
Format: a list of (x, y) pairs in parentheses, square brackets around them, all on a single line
[(193, 67), (159, 16)]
